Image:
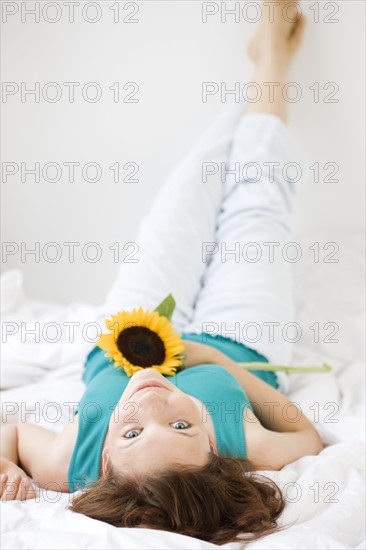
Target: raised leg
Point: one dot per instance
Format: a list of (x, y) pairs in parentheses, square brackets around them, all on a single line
[(247, 292), (248, 283), (182, 217)]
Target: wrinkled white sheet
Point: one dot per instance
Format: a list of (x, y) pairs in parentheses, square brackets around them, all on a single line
[(325, 493)]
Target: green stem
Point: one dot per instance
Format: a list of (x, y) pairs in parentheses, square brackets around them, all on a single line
[(288, 370)]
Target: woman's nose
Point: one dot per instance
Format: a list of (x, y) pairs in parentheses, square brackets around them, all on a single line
[(153, 400)]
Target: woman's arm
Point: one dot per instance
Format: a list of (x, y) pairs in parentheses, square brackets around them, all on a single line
[(196, 354), (29, 450), (27, 445), (278, 433), (271, 406), (14, 485), (285, 434)]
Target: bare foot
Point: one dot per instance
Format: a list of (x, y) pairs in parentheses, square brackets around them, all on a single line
[(272, 48), (279, 36)]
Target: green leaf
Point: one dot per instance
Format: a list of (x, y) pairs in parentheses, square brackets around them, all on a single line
[(166, 307), (287, 369)]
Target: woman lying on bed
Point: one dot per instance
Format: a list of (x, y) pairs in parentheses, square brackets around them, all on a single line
[(179, 453)]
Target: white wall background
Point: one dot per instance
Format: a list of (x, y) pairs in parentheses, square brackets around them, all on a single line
[(169, 53)]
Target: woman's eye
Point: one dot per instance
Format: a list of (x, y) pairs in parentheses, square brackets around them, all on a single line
[(181, 425), (132, 433)]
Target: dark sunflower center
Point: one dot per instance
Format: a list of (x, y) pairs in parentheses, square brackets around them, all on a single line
[(141, 346)]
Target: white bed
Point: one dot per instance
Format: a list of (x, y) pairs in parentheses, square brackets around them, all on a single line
[(325, 493)]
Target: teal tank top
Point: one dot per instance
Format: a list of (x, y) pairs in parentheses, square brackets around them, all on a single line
[(213, 385)]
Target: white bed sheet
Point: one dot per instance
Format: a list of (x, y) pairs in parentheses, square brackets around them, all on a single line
[(325, 493)]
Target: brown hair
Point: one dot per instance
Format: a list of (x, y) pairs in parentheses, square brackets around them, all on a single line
[(216, 502)]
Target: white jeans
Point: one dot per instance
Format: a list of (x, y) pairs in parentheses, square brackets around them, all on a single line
[(184, 241)]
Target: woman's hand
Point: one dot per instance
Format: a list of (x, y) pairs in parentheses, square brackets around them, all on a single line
[(196, 354), (14, 482)]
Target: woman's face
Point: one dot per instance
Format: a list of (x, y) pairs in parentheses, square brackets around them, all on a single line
[(154, 427)]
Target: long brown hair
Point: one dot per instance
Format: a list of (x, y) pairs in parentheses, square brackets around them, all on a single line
[(221, 502)]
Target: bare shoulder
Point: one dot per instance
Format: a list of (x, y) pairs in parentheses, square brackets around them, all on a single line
[(270, 450), (64, 446), (256, 440)]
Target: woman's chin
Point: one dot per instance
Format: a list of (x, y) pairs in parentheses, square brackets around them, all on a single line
[(147, 373)]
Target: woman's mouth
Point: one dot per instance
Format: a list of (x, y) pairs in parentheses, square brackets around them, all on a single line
[(149, 384)]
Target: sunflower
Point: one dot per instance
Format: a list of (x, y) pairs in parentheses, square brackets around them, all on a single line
[(141, 339)]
